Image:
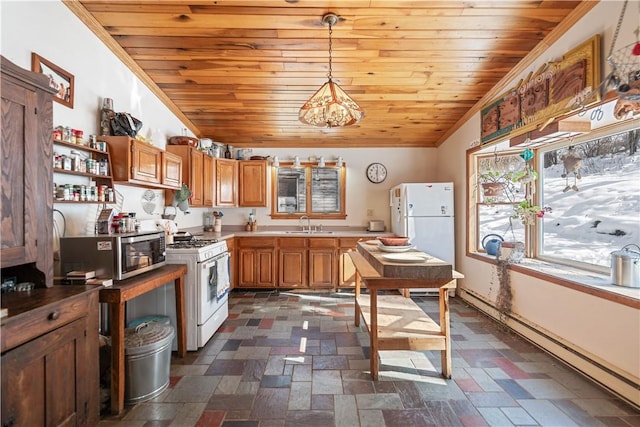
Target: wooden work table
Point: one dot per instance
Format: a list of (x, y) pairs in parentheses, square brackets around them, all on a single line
[(116, 296), (395, 322)]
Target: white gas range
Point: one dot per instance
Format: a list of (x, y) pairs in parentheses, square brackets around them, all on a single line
[(206, 289)]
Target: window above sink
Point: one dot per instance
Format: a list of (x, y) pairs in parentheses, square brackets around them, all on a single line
[(309, 190)]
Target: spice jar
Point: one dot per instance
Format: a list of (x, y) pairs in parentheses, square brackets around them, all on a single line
[(66, 134)]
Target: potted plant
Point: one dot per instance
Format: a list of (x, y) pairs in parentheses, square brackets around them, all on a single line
[(496, 184), (527, 212)]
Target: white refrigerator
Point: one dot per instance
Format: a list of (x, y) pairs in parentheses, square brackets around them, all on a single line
[(424, 213)]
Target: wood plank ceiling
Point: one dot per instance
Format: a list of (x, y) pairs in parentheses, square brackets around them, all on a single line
[(239, 71)]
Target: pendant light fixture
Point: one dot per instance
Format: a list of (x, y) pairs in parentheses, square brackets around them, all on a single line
[(330, 106)]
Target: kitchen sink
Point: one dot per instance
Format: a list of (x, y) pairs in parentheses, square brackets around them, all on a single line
[(293, 232), (307, 232)]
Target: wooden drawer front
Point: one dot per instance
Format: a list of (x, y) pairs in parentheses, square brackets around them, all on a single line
[(323, 243), (256, 242), (292, 242), (351, 242), (22, 328)]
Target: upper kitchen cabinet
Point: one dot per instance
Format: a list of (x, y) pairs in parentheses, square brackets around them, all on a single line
[(252, 190), (139, 163), (226, 182), (27, 170), (197, 174)]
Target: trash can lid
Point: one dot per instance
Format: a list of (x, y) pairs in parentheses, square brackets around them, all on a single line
[(148, 319), (146, 336)]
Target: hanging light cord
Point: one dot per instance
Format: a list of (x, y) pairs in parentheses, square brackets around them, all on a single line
[(330, 48)]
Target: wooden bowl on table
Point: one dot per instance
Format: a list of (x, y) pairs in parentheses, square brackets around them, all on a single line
[(394, 240)]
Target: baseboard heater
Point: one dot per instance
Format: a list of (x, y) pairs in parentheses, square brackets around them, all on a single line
[(608, 378)]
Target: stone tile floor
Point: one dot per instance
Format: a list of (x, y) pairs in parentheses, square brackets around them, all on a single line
[(296, 359)]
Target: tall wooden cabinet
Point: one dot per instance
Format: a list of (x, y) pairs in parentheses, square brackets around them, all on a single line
[(27, 170), (49, 337)]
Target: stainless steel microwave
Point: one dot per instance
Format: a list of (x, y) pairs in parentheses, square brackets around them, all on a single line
[(117, 256)]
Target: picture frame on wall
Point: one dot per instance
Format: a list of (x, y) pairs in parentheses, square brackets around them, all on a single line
[(59, 79)]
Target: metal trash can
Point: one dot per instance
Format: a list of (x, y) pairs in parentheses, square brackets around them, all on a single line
[(148, 319), (147, 361)]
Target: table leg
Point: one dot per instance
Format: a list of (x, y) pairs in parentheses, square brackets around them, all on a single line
[(116, 312), (445, 355), (373, 333), (180, 317), (356, 309)]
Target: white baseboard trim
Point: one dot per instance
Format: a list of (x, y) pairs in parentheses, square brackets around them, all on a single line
[(608, 377)]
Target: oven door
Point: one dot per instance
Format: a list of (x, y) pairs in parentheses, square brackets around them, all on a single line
[(213, 286)]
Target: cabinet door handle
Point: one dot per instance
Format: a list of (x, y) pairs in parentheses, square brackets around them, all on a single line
[(54, 315)]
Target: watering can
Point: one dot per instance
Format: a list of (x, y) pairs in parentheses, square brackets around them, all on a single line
[(491, 243)]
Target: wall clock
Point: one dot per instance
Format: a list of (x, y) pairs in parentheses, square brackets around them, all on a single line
[(376, 172)]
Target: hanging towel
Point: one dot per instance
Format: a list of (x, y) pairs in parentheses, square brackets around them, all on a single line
[(222, 270)]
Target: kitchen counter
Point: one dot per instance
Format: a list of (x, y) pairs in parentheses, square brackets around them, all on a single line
[(238, 231)]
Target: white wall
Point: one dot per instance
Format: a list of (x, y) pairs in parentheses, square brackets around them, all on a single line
[(603, 329), (50, 29)]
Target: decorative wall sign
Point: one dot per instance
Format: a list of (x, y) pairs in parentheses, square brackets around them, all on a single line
[(545, 95), (59, 79)]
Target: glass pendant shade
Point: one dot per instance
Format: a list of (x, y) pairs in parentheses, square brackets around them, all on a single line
[(330, 107)]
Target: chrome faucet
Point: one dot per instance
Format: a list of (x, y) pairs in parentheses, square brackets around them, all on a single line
[(302, 218)]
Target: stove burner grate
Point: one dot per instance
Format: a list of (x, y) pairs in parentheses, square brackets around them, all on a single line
[(193, 243)]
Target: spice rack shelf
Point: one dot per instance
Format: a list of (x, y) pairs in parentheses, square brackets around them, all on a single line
[(101, 180), (90, 175)]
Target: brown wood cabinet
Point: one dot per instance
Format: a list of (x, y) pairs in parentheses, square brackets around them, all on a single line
[(27, 171), (226, 182), (49, 337), (292, 262), (49, 359), (209, 177), (171, 169), (139, 163), (301, 262), (346, 269), (194, 174), (256, 262), (323, 263), (252, 185)]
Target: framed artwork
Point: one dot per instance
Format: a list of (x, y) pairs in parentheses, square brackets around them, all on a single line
[(59, 79), (558, 88)]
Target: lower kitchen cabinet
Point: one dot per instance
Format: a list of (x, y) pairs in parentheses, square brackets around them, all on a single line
[(323, 266), (256, 262), (50, 361), (292, 263), (346, 269), (295, 262), (307, 263)]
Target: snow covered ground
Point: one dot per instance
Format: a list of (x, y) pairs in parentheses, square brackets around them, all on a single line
[(602, 217)]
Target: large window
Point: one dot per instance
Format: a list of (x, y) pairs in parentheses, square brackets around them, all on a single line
[(583, 193)]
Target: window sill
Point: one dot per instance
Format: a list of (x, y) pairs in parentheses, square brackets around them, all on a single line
[(580, 280)]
